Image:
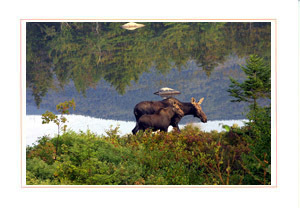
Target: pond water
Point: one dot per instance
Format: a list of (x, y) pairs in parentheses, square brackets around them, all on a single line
[(107, 70)]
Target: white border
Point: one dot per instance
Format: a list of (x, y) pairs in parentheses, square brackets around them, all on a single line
[(287, 193)]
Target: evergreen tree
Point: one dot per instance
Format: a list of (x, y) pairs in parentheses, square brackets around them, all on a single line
[(257, 84)]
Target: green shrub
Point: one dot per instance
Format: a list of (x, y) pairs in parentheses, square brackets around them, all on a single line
[(189, 157), (258, 162), (39, 171)]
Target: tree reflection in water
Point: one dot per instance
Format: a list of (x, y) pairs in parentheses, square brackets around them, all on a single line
[(86, 52)]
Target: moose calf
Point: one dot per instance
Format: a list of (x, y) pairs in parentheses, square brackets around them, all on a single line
[(161, 120)]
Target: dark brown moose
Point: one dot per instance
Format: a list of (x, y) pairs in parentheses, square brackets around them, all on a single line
[(160, 120), (151, 107)]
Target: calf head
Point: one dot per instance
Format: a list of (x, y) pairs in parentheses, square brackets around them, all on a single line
[(198, 112), (177, 110)]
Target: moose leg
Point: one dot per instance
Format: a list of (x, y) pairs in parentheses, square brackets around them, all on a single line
[(136, 128), (176, 127), (174, 124), (164, 129)]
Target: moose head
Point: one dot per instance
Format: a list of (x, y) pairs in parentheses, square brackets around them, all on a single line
[(198, 112), (177, 110)]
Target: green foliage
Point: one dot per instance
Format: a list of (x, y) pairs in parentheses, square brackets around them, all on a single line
[(226, 127), (258, 162), (258, 135), (189, 157), (62, 108), (86, 159), (44, 150), (40, 171), (257, 84)]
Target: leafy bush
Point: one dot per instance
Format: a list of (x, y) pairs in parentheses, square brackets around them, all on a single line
[(148, 158)]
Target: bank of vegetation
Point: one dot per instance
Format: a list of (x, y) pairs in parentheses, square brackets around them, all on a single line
[(236, 156)]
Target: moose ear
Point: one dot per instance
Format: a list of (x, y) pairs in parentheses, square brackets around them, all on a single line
[(193, 100), (201, 100)]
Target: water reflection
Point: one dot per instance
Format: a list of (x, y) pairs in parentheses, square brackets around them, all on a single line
[(83, 54)]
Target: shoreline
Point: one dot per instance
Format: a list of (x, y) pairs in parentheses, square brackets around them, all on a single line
[(34, 127)]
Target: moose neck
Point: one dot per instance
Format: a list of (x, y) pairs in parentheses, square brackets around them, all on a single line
[(187, 108)]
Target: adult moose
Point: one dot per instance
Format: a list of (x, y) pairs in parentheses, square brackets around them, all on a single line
[(160, 120), (151, 107)]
